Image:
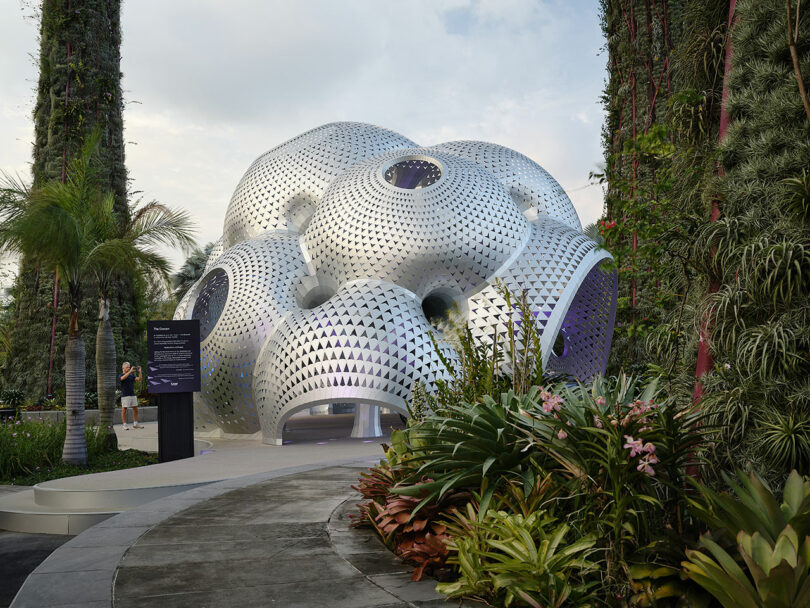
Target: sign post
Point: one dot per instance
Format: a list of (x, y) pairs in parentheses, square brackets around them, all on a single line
[(173, 377)]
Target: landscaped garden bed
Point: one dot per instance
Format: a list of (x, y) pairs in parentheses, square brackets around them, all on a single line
[(517, 490), (31, 452)]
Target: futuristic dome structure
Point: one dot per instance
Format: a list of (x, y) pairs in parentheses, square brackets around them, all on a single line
[(340, 246)]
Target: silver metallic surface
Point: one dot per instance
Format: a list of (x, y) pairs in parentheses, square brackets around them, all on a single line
[(339, 244)]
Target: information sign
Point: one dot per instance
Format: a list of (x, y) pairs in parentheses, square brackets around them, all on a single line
[(174, 356)]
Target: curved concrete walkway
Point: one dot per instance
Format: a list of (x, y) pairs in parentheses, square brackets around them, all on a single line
[(271, 539), (73, 504)]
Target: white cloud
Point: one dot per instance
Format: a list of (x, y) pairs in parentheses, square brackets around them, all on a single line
[(217, 84)]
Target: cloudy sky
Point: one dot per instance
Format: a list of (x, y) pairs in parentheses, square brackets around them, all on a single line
[(209, 85)]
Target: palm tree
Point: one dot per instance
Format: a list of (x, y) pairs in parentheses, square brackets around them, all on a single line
[(191, 271), (56, 225), (128, 248), (71, 227)]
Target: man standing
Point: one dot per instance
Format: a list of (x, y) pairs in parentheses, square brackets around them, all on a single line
[(128, 398)]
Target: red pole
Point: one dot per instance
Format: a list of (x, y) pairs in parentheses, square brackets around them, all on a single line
[(705, 361), (64, 168)]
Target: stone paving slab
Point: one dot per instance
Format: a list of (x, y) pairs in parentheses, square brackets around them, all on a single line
[(279, 539), (20, 554)]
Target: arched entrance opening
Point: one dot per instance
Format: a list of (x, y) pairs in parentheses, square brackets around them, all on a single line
[(339, 421)]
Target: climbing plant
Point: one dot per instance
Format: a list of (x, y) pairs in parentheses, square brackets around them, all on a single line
[(79, 89)]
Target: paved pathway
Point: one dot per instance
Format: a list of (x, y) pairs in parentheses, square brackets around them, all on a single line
[(21, 553), (275, 539)]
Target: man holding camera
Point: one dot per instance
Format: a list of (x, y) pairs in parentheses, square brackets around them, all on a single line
[(128, 398)]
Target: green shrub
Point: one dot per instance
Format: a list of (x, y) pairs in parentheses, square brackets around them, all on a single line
[(30, 444), (755, 508), (619, 454), (12, 397), (467, 446), (90, 401), (508, 559), (768, 564)]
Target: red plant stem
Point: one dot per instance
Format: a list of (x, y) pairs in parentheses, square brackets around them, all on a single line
[(64, 176), (705, 361)]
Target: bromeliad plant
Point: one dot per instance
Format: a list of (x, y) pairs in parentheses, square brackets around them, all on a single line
[(468, 446), (770, 565), (508, 559)]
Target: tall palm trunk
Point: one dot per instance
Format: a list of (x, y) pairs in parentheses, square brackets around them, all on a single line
[(106, 366), (75, 450)]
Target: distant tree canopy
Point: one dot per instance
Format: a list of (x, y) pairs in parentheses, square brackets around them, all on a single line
[(710, 234), (191, 271), (79, 88)]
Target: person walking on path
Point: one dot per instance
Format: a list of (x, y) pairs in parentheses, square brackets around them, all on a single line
[(128, 398)]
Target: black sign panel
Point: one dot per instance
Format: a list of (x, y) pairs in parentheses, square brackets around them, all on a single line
[(174, 356)]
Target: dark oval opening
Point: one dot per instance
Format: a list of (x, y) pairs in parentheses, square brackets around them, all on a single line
[(210, 303), (437, 306), (413, 174)]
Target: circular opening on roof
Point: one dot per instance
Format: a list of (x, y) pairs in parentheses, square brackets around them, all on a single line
[(211, 302), (437, 306), (413, 173)]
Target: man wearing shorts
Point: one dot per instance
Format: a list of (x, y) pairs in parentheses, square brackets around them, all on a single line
[(128, 398)]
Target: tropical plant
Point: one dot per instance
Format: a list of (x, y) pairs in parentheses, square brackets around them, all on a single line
[(78, 90), (509, 559), (191, 271), (61, 226), (421, 538), (755, 507), (620, 455), (469, 445), (509, 358), (771, 538), (128, 248), (778, 572)]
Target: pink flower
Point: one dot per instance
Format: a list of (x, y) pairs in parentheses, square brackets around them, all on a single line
[(614, 422), (562, 434), (600, 401), (14, 434), (551, 402), (649, 448), (597, 422), (634, 445), (645, 464)]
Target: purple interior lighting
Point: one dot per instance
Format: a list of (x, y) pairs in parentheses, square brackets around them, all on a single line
[(413, 174)]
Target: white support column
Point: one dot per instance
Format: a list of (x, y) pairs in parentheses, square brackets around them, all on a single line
[(366, 421)]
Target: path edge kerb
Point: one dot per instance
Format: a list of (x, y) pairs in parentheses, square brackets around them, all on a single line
[(116, 535)]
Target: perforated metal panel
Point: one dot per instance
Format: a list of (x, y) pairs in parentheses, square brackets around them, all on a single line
[(367, 344), (333, 241), (255, 284), (553, 268), (534, 191), (454, 232), (282, 187)]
